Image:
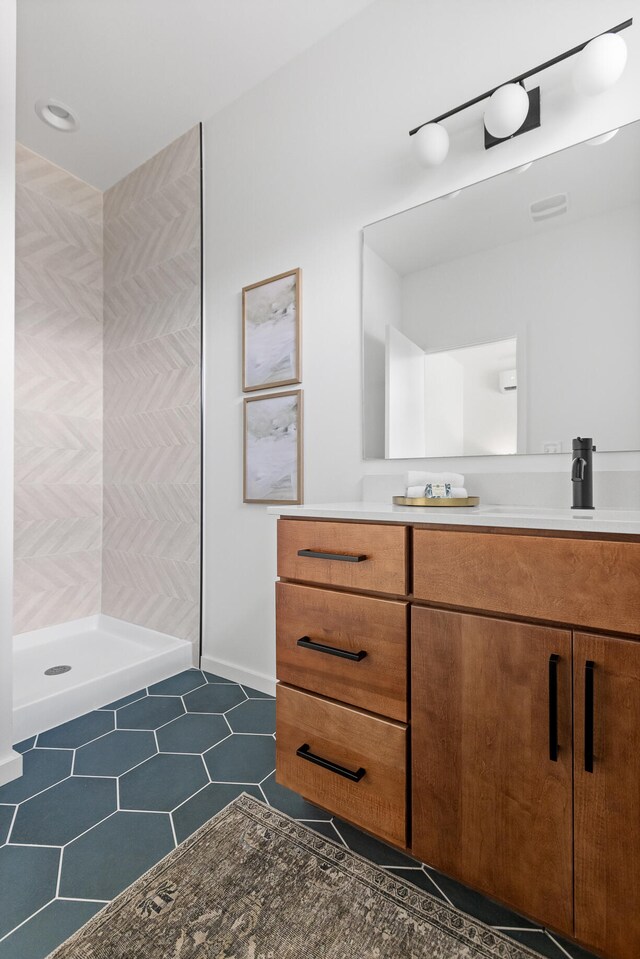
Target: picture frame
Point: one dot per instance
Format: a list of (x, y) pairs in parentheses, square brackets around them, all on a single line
[(273, 444), (271, 332)]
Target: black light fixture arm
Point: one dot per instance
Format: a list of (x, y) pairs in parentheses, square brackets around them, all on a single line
[(523, 76)]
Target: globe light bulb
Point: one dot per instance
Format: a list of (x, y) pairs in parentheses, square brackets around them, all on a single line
[(600, 64), (506, 111), (431, 144)]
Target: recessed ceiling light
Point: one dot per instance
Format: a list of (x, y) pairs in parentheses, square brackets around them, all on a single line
[(57, 115)]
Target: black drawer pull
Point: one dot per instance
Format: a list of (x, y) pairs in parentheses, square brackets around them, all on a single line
[(553, 707), (341, 557), (305, 753), (589, 667), (330, 650)]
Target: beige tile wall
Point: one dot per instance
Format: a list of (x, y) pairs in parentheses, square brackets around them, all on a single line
[(107, 507), (151, 533), (58, 395)]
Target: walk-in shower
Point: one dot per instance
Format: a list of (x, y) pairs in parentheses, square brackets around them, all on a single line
[(107, 433)]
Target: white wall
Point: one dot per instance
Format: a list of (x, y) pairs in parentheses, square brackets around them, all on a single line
[(572, 306), (293, 171), (404, 395), (381, 306), (10, 762)]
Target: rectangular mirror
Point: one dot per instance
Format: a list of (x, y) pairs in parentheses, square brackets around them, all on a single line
[(505, 318)]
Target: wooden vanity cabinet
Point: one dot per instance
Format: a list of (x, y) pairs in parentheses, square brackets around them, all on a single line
[(342, 667), (606, 672), (492, 758), (506, 664)]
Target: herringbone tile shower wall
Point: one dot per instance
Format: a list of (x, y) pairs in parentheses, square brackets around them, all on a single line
[(58, 395), (151, 533)]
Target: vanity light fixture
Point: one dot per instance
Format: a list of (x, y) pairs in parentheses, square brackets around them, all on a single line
[(513, 110)]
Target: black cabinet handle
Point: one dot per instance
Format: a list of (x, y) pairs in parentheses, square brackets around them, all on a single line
[(330, 650), (589, 667), (304, 752), (341, 557), (554, 659)]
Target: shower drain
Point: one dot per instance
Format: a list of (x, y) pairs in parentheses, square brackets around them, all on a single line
[(56, 670)]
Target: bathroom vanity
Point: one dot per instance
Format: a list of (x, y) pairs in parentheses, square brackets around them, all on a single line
[(468, 688)]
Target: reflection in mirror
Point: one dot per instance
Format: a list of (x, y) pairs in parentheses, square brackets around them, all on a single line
[(507, 319)]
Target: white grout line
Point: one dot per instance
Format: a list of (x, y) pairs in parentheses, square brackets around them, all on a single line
[(190, 797), (99, 823), (442, 893), (24, 921), (517, 929), (556, 943), (264, 794), (117, 794), (34, 845), (103, 902), (338, 834), (173, 831), (59, 872), (13, 819)]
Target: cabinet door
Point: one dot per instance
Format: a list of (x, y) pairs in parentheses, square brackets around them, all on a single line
[(492, 758), (607, 794)]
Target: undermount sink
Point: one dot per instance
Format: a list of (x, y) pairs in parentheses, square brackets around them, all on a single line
[(610, 515)]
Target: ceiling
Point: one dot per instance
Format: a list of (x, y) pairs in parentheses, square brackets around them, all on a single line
[(139, 73)]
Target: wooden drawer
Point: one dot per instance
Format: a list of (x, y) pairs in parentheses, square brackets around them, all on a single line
[(355, 741), (584, 582), (350, 624), (370, 557)]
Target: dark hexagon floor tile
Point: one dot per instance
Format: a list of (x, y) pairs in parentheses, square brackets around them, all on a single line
[(111, 856), (41, 934), (61, 813), (150, 712), (28, 877), (290, 802), (214, 698), (115, 753), (254, 716), (40, 768), (131, 698), (212, 678), (537, 940), (78, 731), (576, 952), (6, 815), (371, 848), (25, 744), (179, 684), (255, 693), (162, 782), (242, 759), (192, 733), (477, 905), (205, 804)]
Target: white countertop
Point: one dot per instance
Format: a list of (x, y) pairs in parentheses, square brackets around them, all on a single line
[(523, 517)]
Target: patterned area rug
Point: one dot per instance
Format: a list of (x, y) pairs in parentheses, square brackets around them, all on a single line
[(254, 884)]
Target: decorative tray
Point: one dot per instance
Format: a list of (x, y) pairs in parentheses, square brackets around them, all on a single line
[(436, 501)]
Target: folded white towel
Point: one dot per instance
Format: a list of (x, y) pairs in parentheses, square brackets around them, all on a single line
[(415, 478), (457, 492)]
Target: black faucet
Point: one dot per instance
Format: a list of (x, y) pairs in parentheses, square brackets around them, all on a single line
[(582, 472)]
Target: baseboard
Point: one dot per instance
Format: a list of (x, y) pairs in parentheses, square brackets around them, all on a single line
[(247, 677), (10, 767)]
